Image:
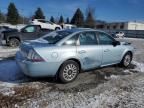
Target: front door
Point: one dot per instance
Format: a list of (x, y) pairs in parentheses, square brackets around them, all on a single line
[(29, 33), (111, 54), (88, 50)]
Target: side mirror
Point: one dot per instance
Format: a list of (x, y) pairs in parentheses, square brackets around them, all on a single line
[(115, 43)]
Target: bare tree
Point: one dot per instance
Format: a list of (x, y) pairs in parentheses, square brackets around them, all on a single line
[(90, 21)]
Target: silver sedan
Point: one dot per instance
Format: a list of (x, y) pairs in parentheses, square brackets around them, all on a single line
[(65, 53)]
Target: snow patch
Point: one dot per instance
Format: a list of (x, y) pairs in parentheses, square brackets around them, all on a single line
[(139, 66), (5, 84), (8, 92), (112, 77)]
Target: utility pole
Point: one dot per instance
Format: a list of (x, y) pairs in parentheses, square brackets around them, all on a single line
[(135, 25), (22, 15)]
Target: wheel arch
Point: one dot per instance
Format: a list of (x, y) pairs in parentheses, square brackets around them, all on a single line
[(127, 51), (57, 28), (130, 53), (11, 37), (73, 59), (77, 61)]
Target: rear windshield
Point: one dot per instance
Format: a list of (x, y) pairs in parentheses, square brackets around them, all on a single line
[(56, 36)]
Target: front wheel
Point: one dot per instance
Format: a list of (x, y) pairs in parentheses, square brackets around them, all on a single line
[(126, 61), (68, 71), (14, 42)]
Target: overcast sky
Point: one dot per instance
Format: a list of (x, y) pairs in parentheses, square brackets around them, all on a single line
[(108, 10)]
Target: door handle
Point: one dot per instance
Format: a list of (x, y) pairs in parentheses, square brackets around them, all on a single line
[(106, 50), (82, 51)]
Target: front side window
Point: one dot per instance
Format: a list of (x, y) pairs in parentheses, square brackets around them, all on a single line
[(88, 38), (56, 36), (105, 39), (30, 29)]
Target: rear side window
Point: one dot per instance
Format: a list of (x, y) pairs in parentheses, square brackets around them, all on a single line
[(105, 39), (88, 38), (56, 36), (72, 41), (42, 21)]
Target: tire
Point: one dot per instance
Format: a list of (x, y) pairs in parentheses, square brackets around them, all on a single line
[(126, 61), (68, 71), (14, 42), (57, 28)]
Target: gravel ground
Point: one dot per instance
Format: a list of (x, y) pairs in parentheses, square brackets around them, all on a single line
[(110, 87)]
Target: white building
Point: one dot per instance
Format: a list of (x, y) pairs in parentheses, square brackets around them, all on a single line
[(122, 26), (135, 26)]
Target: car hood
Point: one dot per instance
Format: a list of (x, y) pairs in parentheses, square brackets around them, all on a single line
[(10, 31)]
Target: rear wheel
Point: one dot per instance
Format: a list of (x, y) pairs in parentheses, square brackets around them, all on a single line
[(13, 42), (69, 71), (126, 61)]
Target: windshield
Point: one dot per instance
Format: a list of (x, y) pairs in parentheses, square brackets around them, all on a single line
[(56, 36)]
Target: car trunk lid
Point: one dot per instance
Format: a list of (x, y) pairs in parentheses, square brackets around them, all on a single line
[(26, 46)]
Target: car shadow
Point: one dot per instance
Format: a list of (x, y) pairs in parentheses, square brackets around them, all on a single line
[(10, 72)]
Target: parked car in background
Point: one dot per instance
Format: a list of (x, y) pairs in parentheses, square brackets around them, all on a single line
[(69, 26), (8, 25), (46, 24), (14, 37), (120, 34), (18, 26), (3, 28), (65, 53)]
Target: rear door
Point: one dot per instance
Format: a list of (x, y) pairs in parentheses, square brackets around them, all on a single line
[(88, 50), (46, 24)]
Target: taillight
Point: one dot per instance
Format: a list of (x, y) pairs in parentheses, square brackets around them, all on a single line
[(34, 57)]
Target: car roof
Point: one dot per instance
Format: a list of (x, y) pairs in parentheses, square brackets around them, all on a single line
[(73, 30)]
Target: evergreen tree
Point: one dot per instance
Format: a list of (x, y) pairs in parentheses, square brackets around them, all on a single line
[(90, 20), (39, 14), (52, 19), (61, 20), (2, 17), (78, 18), (67, 21), (12, 15)]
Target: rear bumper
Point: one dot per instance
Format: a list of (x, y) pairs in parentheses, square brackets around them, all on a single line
[(36, 69)]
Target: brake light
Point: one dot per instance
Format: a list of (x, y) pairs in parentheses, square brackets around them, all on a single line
[(34, 57)]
